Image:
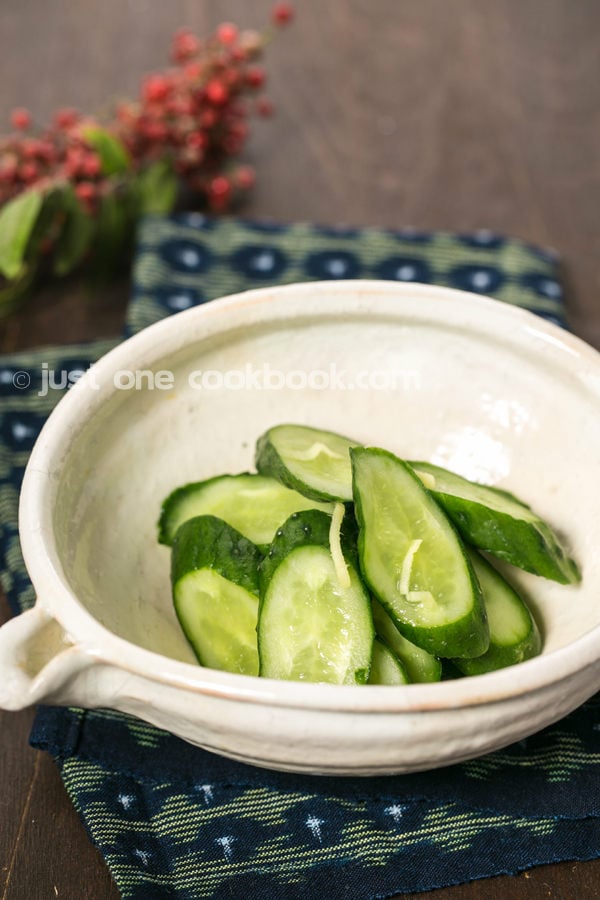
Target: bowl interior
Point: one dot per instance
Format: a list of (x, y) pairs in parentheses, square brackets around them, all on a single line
[(478, 388)]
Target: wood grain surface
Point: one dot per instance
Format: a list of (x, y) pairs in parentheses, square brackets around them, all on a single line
[(428, 113)]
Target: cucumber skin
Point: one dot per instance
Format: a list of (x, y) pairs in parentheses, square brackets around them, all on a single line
[(499, 656), (378, 641), (206, 542), (170, 504), (269, 462), (467, 637), (415, 670), (309, 527), (533, 546)]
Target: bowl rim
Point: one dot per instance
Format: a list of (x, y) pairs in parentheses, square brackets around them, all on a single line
[(100, 643)]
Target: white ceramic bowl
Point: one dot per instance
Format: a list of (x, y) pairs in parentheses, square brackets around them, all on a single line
[(488, 390)]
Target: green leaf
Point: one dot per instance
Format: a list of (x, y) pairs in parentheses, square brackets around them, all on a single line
[(13, 292), (113, 154), (157, 187), (17, 220), (112, 241), (76, 235)]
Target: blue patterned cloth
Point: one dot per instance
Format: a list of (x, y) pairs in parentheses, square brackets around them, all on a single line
[(174, 821)]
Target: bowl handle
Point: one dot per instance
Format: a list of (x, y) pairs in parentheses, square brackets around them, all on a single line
[(38, 662)]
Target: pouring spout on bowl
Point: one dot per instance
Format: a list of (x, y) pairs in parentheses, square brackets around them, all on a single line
[(38, 661)]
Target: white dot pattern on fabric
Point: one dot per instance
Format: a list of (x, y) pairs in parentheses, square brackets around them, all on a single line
[(179, 301), (551, 288), (485, 236), (189, 257), (314, 826), (337, 267), (226, 843), (196, 219), (207, 792), (143, 855), (21, 431), (406, 273), (481, 280), (396, 811), (263, 262)]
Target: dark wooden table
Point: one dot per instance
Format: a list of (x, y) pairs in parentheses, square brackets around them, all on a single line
[(427, 113)]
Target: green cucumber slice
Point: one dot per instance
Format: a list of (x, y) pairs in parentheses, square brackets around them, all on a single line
[(214, 574), (514, 635), (413, 560), (386, 668), (420, 665), (315, 463), (499, 523), (302, 528), (255, 505), (311, 627)]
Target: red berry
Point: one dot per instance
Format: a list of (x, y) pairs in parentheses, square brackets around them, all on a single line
[(219, 192), (28, 172), (46, 151), (65, 118), (193, 71), (282, 13), (227, 33), (185, 45), (239, 130), (74, 161), (208, 118), (8, 168), (156, 87), (216, 92), (154, 130), (264, 107), (20, 118), (255, 77), (91, 165), (126, 113), (85, 190), (245, 177), (29, 148), (197, 140), (231, 77)]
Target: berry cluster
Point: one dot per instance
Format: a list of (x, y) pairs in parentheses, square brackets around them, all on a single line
[(193, 117), (60, 153)]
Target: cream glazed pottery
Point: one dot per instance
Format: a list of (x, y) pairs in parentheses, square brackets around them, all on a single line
[(483, 388)]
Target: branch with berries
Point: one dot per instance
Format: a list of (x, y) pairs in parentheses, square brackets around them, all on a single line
[(71, 193)]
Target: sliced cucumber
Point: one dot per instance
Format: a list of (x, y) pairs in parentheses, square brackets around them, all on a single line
[(253, 504), (386, 668), (413, 560), (420, 665), (514, 635), (315, 463), (311, 627), (499, 523), (214, 574)]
